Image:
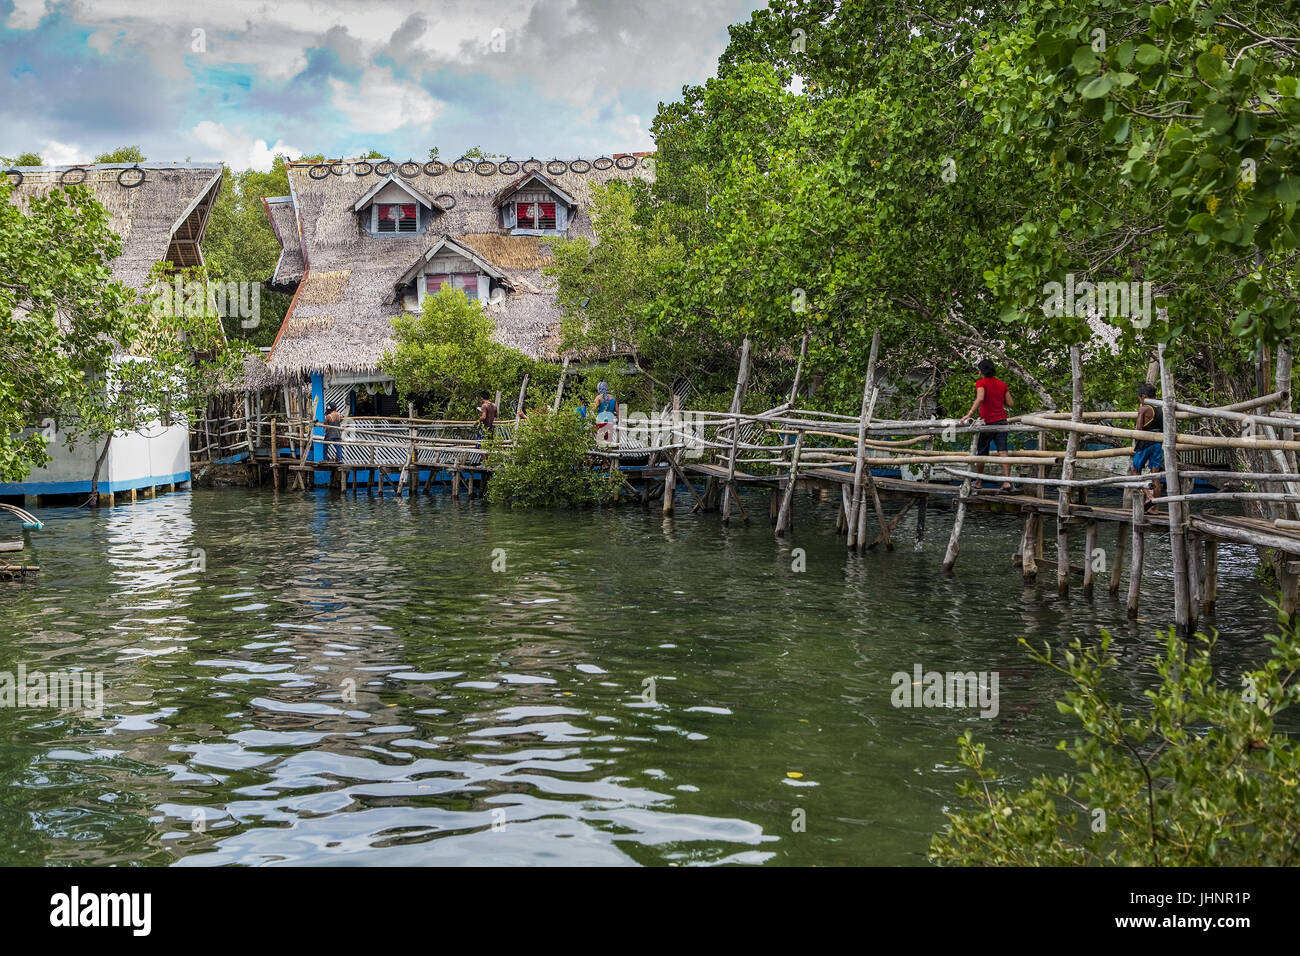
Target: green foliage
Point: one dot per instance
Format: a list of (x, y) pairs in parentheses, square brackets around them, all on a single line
[(76, 345), (548, 464), (123, 154), (608, 291), (1166, 141), (445, 355), (937, 167), (240, 246), (1200, 776), (22, 159)]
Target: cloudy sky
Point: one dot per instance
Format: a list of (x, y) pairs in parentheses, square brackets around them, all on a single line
[(242, 80)]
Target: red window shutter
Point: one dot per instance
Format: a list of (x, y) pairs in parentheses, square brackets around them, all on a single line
[(525, 215), (546, 215), (408, 211), (432, 283)]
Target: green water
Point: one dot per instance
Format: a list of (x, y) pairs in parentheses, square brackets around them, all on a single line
[(500, 715)]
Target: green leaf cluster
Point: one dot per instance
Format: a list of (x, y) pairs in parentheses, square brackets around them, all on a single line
[(548, 464), (1201, 774)]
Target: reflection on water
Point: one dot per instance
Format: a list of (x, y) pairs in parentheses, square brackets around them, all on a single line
[(309, 679)]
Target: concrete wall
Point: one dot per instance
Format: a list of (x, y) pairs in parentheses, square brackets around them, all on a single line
[(157, 455)]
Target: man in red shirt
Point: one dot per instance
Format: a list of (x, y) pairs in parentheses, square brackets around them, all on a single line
[(992, 398)]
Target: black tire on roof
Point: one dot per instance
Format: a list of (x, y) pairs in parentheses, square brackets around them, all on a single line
[(121, 177)]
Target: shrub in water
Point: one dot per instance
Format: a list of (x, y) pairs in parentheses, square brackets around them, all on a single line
[(550, 464), (1199, 776)]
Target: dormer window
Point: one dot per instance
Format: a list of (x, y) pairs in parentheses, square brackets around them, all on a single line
[(396, 217), (534, 205), (393, 207), (467, 282), (535, 215)]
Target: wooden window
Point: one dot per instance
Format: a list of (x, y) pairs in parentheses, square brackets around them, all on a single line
[(397, 217), (535, 215), (467, 282)]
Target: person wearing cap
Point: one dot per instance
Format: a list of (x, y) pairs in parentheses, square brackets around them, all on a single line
[(333, 432)]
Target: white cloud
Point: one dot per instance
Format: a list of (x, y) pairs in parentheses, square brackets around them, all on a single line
[(381, 104), (27, 14), (55, 153), (239, 151)]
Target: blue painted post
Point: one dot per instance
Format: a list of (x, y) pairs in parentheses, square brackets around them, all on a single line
[(318, 430)]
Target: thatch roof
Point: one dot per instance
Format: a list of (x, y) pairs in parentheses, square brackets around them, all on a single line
[(284, 223), (341, 317), (161, 218)]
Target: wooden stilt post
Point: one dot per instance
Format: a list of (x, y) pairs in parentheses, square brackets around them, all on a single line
[(1135, 559), (275, 458), (798, 370), (523, 391), (1177, 527), (1067, 474), (1288, 579), (1195, 579), (884, 532), (860, 465), (1089, 546), (645, 481), (559, 391), (787, 500), (950, 556), (737, 402), (1029, 548), (670, 485), (1117, 562), (922, 504), (1210, 593)]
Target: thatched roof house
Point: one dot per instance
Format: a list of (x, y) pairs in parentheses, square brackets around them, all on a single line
[(159, 209), (372, 239)]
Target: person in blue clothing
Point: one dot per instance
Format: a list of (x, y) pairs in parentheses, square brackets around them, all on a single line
[(606, 413), (582, 407), (1149, 454)]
